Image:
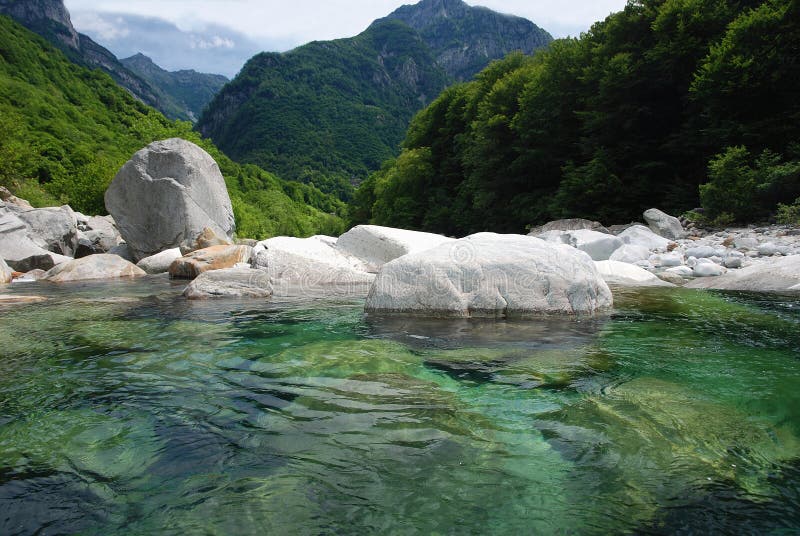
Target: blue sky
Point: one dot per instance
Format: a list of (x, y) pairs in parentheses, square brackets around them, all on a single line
[(219, 35)]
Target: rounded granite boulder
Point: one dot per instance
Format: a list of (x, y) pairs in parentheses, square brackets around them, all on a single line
[(167, 195), (490, 275)]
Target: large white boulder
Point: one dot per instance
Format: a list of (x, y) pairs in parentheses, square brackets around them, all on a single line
[(773, 275), (230, 283), (621, 274), (572, 224), (639, 235), (664, 224), (295, 264), (167, 195), (490, 275), (93, 267), (375, 245)]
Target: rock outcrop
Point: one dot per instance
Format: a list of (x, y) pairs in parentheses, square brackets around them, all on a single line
[(490, 275), (93, 267), (573, 224), (230, 283), (54, 229), (17, 248), (375, 245), (167, 195)]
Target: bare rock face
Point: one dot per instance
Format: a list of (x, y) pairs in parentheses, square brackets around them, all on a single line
[(208, 259), (167, 196), (491, 275), (93, 267), (6, 273), (17, 247)]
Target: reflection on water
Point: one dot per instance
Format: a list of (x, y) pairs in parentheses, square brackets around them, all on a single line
[(125, 409)]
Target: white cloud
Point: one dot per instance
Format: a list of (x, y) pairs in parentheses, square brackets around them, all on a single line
[(105, 28), (212, 42), (300, 21)]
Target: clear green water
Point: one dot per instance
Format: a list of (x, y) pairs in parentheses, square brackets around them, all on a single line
[(680, 413)]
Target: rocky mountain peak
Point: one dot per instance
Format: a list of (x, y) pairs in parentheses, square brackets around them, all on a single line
[(39, 14)]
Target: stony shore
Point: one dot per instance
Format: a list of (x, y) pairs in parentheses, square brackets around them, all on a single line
[(184, 228)]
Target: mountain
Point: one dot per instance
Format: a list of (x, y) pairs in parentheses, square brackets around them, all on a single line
[(331, 112), (65, 131), (464, 39), (51, 20), (189, 90), (668, 104)]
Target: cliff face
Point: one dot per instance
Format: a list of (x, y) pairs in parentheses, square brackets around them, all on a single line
[(43, 16), (465, 39)]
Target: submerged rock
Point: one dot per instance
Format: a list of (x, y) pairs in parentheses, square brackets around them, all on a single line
[(205, 260), (167, 195), (101, 266), (490, 275), (375, 245), (230, 283), (627, 275)]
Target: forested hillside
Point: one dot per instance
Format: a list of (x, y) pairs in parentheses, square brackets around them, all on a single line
[(642, 110), (331, 112), (65, 131)]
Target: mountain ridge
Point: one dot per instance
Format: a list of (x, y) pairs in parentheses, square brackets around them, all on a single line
[(51, 20), (331, 112)]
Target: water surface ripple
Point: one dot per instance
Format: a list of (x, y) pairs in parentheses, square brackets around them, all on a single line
[(125, 409)]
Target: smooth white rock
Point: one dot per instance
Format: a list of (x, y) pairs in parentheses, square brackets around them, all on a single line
[(666, 260), (298, 264), (777, 274), (167, 195), (683, 271), (230, 283), (707, 269), (103, 266), (599, 246), (491, 275), (701, 252), (664, 224), (639, 235), (770, 248), (746, 243), (160, 262), (622, 274), (375, 245), (630, 254)]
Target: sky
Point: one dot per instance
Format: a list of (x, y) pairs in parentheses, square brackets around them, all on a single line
[(217, 35)]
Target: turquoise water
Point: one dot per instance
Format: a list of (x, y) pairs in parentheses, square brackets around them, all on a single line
[(125, 409)]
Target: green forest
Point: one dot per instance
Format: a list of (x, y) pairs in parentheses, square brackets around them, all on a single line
[(670, 103), (327, 112), (66, 130)]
